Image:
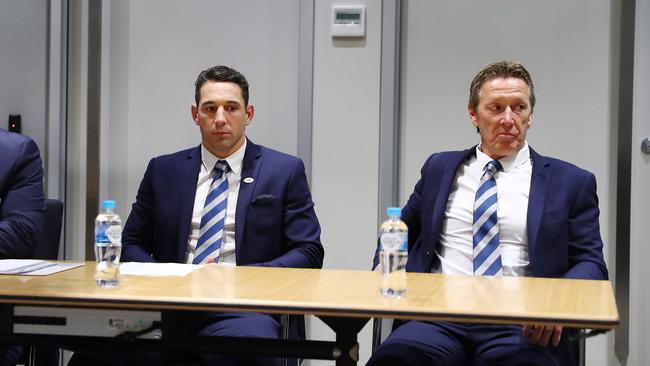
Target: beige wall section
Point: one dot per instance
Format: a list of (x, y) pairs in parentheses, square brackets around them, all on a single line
[(566, 49), (346, 137), (639, 229), (345, 164), (115, 106), (76, 140), (23, 66)]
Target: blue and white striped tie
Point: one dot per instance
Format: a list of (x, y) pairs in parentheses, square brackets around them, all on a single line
[(213, 217), (487, 254)]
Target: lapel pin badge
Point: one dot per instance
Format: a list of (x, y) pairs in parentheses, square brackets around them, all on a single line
[(249, 180)]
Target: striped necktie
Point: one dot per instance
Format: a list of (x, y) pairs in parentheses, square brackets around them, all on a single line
[(213, 217), (487, 254)]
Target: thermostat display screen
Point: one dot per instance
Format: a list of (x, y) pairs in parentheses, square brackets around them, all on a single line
[(345, 17)]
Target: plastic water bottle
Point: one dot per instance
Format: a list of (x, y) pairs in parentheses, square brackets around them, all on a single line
[(394, 254), (108, 245)]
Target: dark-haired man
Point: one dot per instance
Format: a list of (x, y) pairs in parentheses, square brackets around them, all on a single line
[(227, 201), (498, 208)]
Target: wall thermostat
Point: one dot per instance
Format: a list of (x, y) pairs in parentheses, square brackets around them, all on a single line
[(348, 21)]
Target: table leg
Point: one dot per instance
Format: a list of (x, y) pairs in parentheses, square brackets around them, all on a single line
[(346, 330)]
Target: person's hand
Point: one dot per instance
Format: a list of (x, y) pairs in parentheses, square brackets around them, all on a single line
[(540, 335)]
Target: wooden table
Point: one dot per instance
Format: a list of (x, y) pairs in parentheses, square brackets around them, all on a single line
[(337, 296)]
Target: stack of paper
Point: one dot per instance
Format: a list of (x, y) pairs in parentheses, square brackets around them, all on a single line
[(33, 267)]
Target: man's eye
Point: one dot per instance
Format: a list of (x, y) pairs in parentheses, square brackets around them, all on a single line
[(230, 108), (495, 108)]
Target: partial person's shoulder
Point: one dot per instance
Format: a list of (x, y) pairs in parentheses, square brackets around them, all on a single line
[(445, 158), (278, 157), (562, 166), (179, 155), (13, 140), (174, 161)]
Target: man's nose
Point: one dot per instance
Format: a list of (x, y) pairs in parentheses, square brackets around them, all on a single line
[(508, 116), (220, 115)]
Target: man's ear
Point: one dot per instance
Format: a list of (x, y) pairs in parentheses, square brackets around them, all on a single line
[(472, 115), (250, 112), (195, 114)]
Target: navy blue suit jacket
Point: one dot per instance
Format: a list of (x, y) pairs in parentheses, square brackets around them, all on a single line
[(563, 230), (22, 201), (275, 223)]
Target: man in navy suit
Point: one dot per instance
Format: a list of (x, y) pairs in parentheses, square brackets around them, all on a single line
[(269, 215), (22, 205), (547, 226)]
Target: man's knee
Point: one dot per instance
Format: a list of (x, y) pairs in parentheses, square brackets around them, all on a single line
[(393, 353), (242, 325), (403, 352), (520, 356)]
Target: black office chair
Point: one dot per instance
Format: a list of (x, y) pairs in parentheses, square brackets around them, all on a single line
[(48, 248)]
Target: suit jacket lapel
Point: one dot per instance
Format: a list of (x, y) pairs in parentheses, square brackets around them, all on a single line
[(188, 179), (449, 170), (446, 182), (539, 182), (250, 169)]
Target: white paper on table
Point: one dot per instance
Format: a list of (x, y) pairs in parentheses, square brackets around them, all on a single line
[(58, 267), (157, 269), (34, 267), (18, 266)]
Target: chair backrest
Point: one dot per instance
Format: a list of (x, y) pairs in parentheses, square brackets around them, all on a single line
[(48, 248)]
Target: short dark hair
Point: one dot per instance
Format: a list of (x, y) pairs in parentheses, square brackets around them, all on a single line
[(224, 74), (501, 69)]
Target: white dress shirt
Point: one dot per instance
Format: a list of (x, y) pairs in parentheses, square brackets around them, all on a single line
[(206, 173), (513, 187)]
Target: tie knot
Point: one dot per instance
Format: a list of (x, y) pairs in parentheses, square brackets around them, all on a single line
[(492, 167), (222, 166)]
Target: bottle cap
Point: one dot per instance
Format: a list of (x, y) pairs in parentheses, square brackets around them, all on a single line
[(108, 204), (394, 211)]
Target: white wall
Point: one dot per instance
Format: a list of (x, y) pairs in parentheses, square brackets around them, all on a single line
[(567, 51), (23, 66), (345, 164), (640, 230), (75, 204)]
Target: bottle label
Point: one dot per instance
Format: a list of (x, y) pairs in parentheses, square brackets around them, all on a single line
[(106, 233), (100, 233), (394, 241), (114, 234)]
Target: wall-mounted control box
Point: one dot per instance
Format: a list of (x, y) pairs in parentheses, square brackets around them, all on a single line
[(348, 21), (14, 123)]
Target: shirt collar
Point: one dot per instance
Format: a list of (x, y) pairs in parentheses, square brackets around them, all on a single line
[(507, 162), (235, 160)]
